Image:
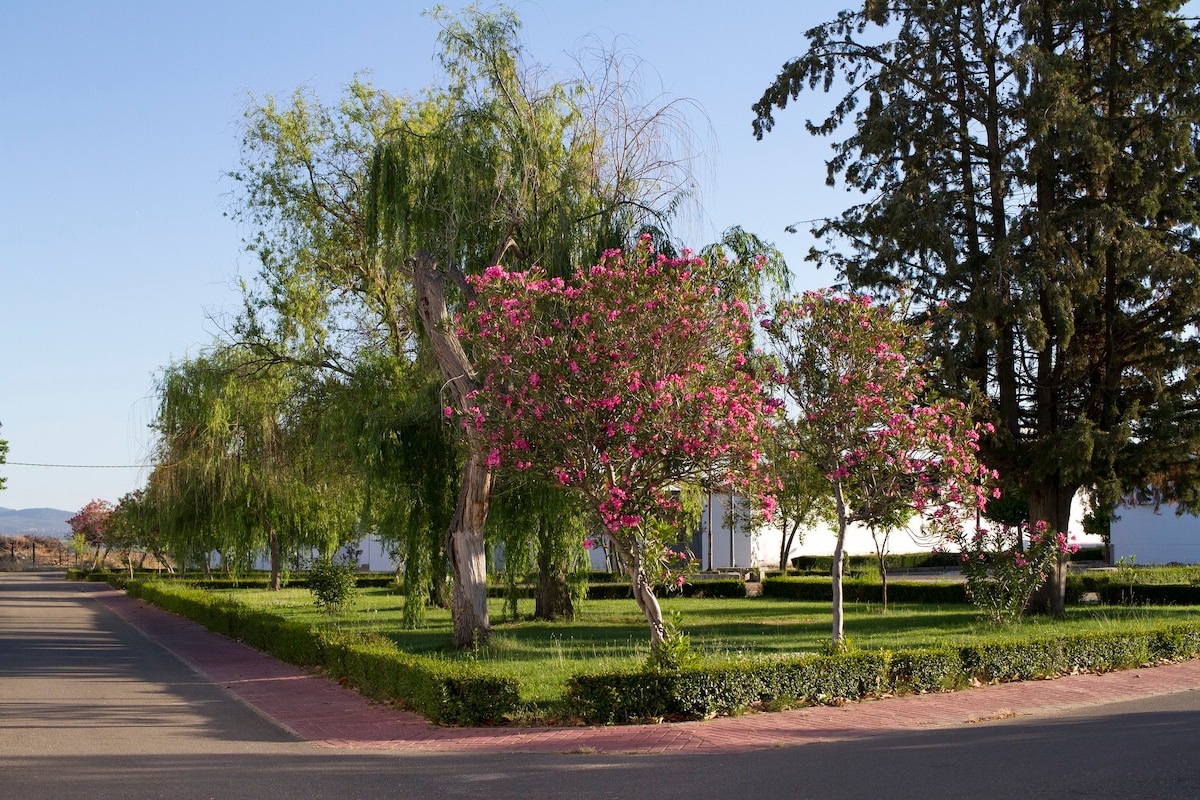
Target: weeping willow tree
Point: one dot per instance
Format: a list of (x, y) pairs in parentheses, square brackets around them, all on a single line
[(539, 529), (395, 435), (238, 470), (364, 216), (505, 166)]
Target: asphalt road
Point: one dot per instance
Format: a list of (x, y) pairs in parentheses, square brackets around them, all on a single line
[(91, 708)]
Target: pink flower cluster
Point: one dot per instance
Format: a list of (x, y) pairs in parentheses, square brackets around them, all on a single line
[(620, 382), (861, 409)]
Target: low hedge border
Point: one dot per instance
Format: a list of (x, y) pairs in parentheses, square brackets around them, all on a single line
[(866, 591), (441, 691), (613, 590), (1112, 590), (702, 691)]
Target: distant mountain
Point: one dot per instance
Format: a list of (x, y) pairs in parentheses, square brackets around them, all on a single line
[(38, 521)]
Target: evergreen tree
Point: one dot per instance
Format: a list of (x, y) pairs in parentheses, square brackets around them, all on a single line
[(1034, 166)]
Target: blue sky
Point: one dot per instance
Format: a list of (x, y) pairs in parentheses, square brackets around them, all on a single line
[(119, 119)]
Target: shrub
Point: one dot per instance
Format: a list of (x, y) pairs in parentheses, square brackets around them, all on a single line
[(710, 688), (700, 691), (931, 670), (333, 586)]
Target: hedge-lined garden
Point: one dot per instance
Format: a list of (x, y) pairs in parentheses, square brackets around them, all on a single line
[(703, 691), (449, 690)]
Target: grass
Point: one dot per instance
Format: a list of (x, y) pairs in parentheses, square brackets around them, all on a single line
[(613, 634)]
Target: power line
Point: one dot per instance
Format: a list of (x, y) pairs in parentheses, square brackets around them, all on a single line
[(73, 466)]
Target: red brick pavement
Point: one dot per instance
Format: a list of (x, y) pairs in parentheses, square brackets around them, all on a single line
[(323, 712)]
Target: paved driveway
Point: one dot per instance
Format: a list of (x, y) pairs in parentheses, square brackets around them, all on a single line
[(92, 706)]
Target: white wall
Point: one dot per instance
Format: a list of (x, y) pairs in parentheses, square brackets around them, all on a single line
[(1155, 537), (820, 539)]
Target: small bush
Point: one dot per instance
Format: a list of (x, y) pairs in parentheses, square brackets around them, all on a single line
[(333, 586), (711, 688), (932, 670)]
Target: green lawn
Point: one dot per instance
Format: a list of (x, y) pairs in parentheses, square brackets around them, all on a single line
[(612, 633)]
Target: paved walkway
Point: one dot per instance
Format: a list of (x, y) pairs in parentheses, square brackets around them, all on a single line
[(321, 711)]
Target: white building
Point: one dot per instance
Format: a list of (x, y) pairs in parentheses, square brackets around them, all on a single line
[(1154, 533)]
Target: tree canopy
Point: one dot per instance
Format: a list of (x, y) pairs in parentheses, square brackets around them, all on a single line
[(1035, 167), (623, 384), (854, 376)]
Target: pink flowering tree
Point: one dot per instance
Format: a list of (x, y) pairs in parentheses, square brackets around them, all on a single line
[(623, 384), (852, 376), (90, 525)]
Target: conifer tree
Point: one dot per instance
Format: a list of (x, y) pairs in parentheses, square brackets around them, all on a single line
[(1033, 166)]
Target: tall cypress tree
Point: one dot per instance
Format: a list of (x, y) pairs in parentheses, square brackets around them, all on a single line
[(1034, 166)]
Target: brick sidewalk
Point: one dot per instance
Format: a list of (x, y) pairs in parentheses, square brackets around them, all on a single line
[(320, 711)]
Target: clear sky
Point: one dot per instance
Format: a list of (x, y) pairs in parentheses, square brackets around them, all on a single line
[(119, 120)]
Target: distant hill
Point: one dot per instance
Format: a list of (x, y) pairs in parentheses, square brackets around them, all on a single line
[(38, 521)]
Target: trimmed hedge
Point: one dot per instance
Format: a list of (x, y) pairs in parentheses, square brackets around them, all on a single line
[(1111, 589), (441, 691), (871, 563), (702, 691), (295, 580), (707, 587), (859, 590)]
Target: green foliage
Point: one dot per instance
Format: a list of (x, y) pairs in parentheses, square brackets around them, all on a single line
[(674, 652), (864, 590), (444, 692), (240, 464), (1140, 588), (1033, 168), (927, 670), (895, 561), (700, 691), (1000, 574), (332, 585)]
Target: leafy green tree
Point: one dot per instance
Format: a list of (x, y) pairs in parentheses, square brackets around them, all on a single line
[(124, 531), (238, 459), (89, 528), (853, 376), (505, 167), (1034, 166)]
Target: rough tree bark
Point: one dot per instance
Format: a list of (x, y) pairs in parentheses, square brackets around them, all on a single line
[(552, 599), (837, 572), (464, 539), (1051, 503)]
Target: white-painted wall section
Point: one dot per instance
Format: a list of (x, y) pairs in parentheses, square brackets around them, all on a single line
[(1155, 535)]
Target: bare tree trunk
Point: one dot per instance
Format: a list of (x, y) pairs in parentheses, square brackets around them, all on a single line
[(464, 539), (785, 544), (839, 623), (881, 552), (464, 543), (1051, 503), (276, 557), (553, 598), (643, 594)]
